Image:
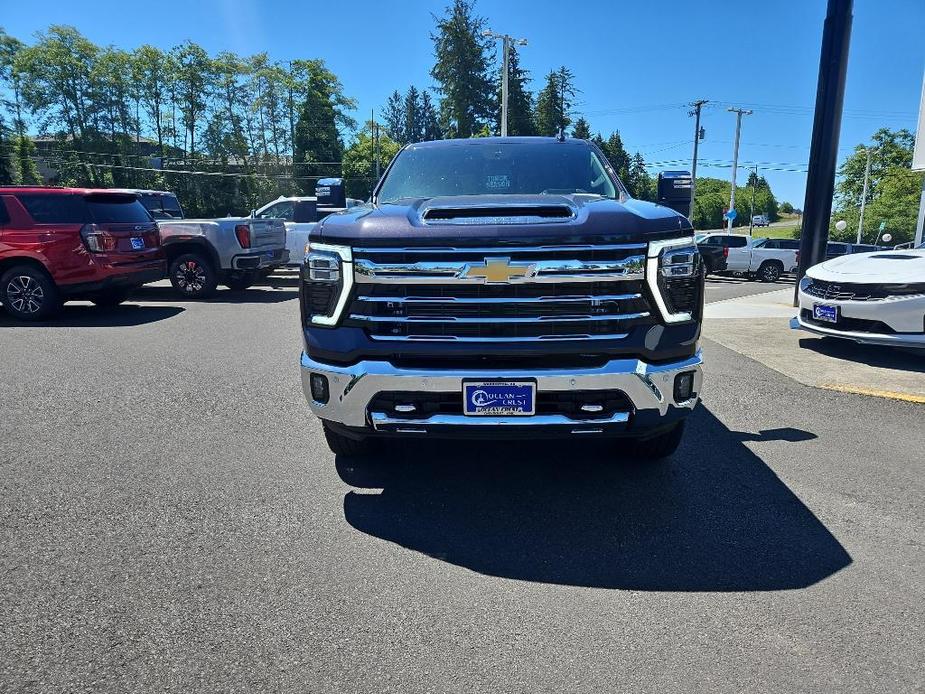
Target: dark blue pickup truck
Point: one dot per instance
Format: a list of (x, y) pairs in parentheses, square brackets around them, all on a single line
[(502, 287)]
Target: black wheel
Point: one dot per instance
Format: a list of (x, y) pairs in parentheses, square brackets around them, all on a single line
[(28, 293), (111, 297), (193, 276), (342, 445), (770, 271), (238, 283), (655, 447), (265, 273)]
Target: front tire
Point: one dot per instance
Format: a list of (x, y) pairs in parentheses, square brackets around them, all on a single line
[(342, 445), (770, 271), (193, 276), (28, 293), (656, 447)]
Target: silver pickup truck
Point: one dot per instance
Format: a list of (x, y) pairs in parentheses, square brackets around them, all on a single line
[(203, 253)]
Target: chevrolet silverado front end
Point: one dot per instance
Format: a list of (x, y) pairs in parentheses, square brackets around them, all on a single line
[(502, 287)]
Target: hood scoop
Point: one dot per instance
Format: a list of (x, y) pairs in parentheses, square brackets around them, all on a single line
[(498, 214)]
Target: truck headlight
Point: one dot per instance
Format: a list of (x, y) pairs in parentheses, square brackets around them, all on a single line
[(327, 278), (674, 273), (805, 283)]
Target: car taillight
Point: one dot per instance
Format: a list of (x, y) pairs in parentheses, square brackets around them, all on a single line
[(725, 251), (243, 232), (97, 241)]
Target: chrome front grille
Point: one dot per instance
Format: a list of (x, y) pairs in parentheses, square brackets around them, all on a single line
[(505, 294), (848, 291)]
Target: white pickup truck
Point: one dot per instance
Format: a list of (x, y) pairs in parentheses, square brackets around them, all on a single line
[(302, 214), (749, 256)]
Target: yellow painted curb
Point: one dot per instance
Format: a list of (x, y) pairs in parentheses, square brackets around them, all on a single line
[(874, 392)]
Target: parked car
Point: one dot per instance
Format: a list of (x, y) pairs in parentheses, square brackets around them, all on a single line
[(749, 257), (714, 257), (234, 251), (160, 203), (58, 244), (875, 298), (760, 220), (777, 244), (301, 214), (502, 287)]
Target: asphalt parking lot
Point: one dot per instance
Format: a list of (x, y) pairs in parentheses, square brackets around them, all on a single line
[(173, 521)]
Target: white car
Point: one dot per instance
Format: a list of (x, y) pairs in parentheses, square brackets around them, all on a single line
[(301, 215), (875, 298), (749, 256)]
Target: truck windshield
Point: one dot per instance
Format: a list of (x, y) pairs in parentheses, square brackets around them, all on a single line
[(490, 167)]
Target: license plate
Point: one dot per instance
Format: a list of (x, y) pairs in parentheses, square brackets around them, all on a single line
[(827, 314), (138, 244), (499, 398)]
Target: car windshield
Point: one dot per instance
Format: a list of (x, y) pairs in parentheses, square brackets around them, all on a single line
[(491, 167)]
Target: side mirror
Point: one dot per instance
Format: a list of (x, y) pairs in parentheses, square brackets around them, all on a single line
[(674, 190)]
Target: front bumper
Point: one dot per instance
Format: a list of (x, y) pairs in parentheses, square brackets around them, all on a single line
[(649, 387), (904, 316)]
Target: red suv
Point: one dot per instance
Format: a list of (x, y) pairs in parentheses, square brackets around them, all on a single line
[(73, 243)]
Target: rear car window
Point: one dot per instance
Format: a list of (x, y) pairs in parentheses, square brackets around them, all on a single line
[(736, 241), (55, 209), (4, 216), (117, 209)]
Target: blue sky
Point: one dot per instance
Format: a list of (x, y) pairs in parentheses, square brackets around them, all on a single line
[(636, 64)]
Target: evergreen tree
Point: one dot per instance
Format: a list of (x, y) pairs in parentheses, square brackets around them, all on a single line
[(519, 98), (463, 69), (582, 129), (639, 181), (618, 156), (394, 117), (429, 118), (316, 136), (414, 116), (554, 102)]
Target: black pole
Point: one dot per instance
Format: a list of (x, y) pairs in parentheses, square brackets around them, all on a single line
[(823, 153)]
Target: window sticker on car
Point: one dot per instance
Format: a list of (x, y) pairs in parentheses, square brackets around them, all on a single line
[(498, 182)]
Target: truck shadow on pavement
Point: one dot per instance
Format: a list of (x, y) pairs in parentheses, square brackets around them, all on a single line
[(714, 518), (97, 317)]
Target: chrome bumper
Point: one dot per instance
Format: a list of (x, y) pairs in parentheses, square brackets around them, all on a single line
[(650, 387)]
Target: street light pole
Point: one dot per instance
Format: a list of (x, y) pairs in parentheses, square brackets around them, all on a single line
[(696, 113), (507, 40), (864, 196), (735, 156)]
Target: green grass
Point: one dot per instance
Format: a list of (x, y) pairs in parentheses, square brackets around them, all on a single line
[(777, 232)]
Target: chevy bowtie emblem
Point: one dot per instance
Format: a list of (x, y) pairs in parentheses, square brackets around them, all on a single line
[(498, 270)]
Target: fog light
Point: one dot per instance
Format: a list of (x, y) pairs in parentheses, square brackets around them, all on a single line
[(319, 387), (684, 386)]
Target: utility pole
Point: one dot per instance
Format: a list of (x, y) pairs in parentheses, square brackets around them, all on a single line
[(291, 120), (823, 152), (505, 69), (696, 113), (735, 156), (751, 214), (864, 196)]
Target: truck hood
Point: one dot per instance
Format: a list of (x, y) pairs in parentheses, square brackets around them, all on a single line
[(900, 267), (561, 219)]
